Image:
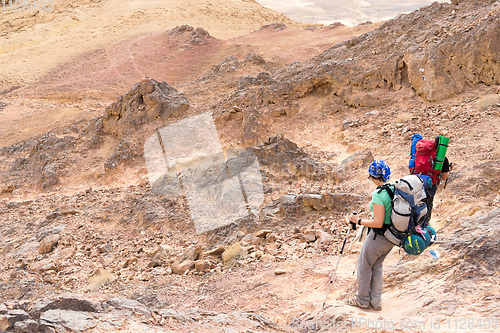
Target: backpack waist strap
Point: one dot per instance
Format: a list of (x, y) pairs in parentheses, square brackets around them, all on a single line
[(379, 231)]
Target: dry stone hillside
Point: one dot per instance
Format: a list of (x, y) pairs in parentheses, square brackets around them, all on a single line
[(88, 245)]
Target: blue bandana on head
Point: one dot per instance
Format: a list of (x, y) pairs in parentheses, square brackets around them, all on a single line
[(379, 169)]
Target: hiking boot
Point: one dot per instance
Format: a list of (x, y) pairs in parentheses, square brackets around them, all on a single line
[(376, 308), (355, 302)]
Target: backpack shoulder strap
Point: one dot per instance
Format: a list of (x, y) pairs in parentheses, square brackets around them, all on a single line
[(381, 231), (386, 187)]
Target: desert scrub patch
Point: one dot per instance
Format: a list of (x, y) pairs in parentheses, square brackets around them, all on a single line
[(104, 276), (487, 101), (404, 117), (232, 253)]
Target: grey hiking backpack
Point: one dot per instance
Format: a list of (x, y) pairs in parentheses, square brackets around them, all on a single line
[(409, 208)]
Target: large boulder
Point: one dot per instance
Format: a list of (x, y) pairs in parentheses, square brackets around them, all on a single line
[(63, 302), (146, 101), (45, 159), (186, 36), (283, 155)]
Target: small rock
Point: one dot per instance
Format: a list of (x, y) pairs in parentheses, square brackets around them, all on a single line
[(104, 247), (68, 210), (183, 267), (192, 253), (279, 271), (27, 247), (324, 240), (250, 239), (144, 277), (53, 215), (165, 250), (215, 252), (257, 254), (372, 113), (203, 265), (65, 254), (8, 320), (27, 326), (156, 261), (48, 244), (48, 267), (309, 238), (272, 237), (94, 252), (263, 233), (129, 262), (267, 258), (272, 249)]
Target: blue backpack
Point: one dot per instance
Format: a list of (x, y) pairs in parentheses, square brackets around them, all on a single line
[(413, 150)]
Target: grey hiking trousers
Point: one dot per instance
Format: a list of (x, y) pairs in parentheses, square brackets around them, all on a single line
[(370, 262)]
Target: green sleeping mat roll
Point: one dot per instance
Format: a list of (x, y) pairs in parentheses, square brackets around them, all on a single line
[(441, 152)]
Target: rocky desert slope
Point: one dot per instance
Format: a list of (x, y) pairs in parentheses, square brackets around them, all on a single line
[(88, 245)]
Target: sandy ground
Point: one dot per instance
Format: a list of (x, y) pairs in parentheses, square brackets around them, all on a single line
[(33, 43)]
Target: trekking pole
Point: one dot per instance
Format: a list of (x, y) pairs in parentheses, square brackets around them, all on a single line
[(446, 182), (353, 226)]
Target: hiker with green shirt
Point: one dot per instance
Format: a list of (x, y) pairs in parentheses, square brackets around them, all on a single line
[(376, 247)]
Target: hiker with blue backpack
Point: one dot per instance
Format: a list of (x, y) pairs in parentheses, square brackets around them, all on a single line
[(374, 249), (428, 160)]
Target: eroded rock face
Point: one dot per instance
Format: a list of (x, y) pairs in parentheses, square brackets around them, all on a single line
[(438, 51), (76, 314), (484, 181), (44, 160), (94, 130), (227, 65), (145, 101), (125, 152), (283, 155)]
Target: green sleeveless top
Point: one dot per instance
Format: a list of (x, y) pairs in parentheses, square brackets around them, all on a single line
[(384, 199)]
